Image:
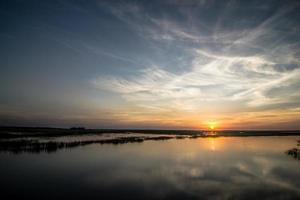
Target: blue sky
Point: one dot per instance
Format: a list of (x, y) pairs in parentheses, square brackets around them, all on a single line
[(150, 64)]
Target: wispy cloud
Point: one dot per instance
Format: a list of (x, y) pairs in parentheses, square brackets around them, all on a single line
[(250, 66), (220, 79)]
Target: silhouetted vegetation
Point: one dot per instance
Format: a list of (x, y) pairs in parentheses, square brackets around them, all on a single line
[(181, 136), (294, 152), (35, 146), (77, 128)]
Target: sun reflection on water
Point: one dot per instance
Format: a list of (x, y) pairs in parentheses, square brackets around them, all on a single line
[(212, 144)]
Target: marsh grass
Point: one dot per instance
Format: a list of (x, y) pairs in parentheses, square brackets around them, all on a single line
[(294, 152), (36, 146)]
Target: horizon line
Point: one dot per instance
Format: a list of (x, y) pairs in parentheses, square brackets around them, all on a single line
[(144, 129)]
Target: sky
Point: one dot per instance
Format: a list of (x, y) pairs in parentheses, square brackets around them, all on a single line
[(159, 64)]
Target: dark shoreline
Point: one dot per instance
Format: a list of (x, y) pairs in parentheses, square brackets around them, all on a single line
[(16, 132)]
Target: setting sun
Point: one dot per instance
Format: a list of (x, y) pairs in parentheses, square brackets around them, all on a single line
[(212, 125)]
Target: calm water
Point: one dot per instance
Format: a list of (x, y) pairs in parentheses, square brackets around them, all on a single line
[(202, 168)]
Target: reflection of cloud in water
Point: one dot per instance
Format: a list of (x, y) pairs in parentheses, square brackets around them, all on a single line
[(209, 175)]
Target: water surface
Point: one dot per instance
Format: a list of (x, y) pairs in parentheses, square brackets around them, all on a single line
[(201, 168)]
